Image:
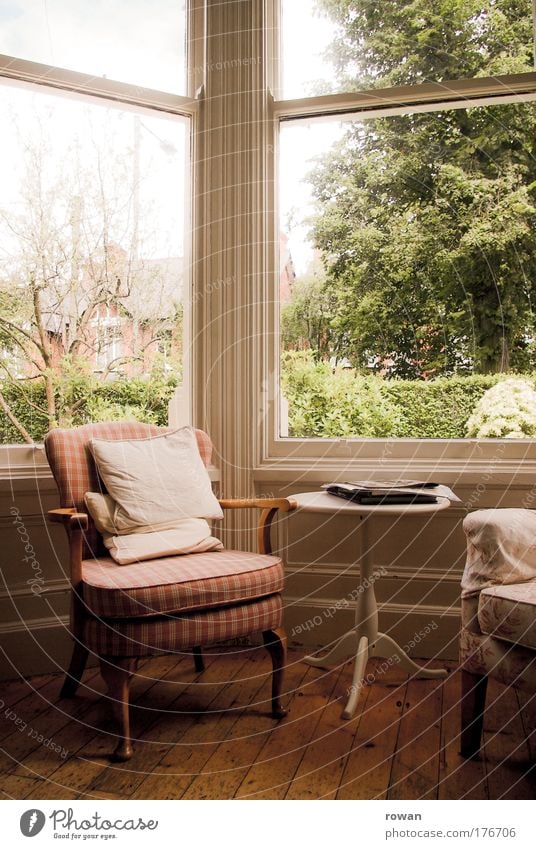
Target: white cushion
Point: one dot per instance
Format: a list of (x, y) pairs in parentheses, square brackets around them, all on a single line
[(158, 480), (147, 542), (192, 537)]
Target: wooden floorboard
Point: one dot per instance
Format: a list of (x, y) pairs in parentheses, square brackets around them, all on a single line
[(369, 764), (277, 763), (415, 771), (210, 735), (459, 778), (509, 769)]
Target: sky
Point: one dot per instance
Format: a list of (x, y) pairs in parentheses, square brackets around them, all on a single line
[(114, 39), (301, 141)]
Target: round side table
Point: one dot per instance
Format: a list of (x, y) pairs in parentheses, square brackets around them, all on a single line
[(364, 640)]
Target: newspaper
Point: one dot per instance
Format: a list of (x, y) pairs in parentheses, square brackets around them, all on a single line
[(391, 491)]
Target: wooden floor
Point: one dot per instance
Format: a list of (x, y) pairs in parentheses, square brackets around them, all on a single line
[(199, 738)]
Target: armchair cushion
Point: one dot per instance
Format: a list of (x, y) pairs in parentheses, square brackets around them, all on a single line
[(74, 468), (155, 479), (509, 613), (186, 583), (148, 634), (484, 655)]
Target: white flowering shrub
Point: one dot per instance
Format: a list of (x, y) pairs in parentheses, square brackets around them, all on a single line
[(506, 411)]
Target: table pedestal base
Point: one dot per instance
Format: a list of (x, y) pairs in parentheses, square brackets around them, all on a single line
[(361, 647)]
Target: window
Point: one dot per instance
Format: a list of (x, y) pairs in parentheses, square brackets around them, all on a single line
[(93, 217), (408, 215)]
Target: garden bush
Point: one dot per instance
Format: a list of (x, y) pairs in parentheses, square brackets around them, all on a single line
[(326, 401), (83, 398), (437, 409), (507, 410), (341, 403)]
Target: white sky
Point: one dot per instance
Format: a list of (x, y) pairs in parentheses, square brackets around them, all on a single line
[(116, 39), (63, 122), (301, 25), (113, 38), (300, 142)]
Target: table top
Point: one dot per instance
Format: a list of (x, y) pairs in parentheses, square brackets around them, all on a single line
[(323, 502)]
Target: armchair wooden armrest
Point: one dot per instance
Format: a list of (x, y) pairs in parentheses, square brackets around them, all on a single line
[(283, 504), (70, 517), (269, 507)]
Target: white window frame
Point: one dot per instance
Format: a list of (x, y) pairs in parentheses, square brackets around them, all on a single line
[(314, 460)]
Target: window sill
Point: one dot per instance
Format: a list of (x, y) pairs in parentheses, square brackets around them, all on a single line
[(464, 461), (21, 463)]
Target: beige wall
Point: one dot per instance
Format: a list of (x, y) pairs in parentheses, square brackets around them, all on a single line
[(34, 597)]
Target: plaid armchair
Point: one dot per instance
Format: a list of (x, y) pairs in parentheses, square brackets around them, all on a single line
[(171, 604)]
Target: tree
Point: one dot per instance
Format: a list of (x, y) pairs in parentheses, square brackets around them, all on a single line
[(426, 220), (305, 320), (71, 280)]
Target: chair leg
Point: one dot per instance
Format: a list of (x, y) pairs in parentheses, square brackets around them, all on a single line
[(117, 672), (198, 659), (473, 704), (75, 671), (276, 642)]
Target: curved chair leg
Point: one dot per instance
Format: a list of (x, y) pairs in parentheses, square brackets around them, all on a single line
[(276, 642), (198, 659), (75, 671), (473, 704), (117, 672)]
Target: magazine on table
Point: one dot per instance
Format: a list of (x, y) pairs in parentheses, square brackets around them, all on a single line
[(391, 491)]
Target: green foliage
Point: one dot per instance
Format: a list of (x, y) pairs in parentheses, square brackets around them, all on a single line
[(436, 409), (426, 221), (327, 402), (397, 42), (507, 410), (306, 320), (82, 398)]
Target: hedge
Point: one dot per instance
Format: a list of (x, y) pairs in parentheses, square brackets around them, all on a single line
[(141, 399), (327, 402), (323, 402), (436, 409)]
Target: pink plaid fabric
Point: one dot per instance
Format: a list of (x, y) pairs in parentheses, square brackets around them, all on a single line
[(75, 471), (140, 637), (188, 582)]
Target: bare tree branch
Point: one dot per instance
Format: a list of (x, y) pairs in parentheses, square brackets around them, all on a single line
[(14, 420)]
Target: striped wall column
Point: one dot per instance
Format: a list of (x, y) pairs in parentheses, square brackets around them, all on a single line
[(231, 276)]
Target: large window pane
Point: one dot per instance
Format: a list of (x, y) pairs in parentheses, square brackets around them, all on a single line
[(92, 220), (134, 41), (412, 248), (345, 45)]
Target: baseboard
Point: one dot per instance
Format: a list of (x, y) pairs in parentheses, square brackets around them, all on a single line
[(35, 647)]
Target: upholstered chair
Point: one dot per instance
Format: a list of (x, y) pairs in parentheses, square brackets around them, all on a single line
[(171, 604), (498, 634)]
